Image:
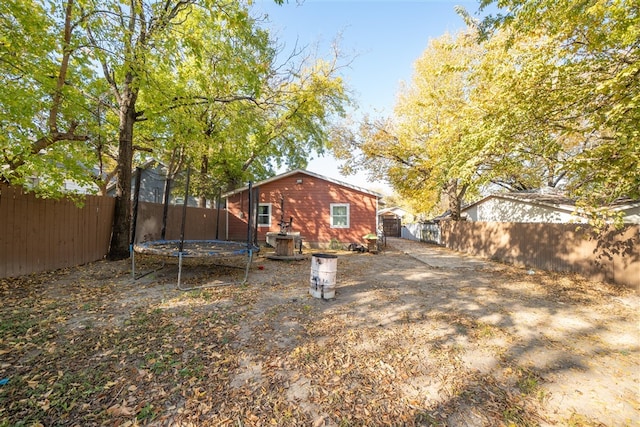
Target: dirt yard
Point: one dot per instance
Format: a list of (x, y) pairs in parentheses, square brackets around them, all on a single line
[(417, 335)]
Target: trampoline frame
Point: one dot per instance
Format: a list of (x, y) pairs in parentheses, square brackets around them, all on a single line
[(151, 247), (173, 251)]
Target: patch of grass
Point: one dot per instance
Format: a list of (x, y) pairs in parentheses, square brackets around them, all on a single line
[(194, 368), (31, 400), (335, 398), (528, 382), (193, 294), (579, 420), (232, 318), (160, 363), (447, 352), (17, 323), (141, 318), (89, 306), (304, 354), (226, 338), (27, 326), (425, 418), (73, 387), (147, 413), (274, 312), (515, 415), (335, 245), (207, 295), (485, 330)]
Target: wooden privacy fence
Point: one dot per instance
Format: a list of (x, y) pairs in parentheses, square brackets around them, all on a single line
[(44, 234), (614, 257), (200, 223)]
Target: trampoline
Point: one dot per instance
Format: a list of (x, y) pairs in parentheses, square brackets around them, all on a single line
[(201, 249), (194, 248), (197, 249)]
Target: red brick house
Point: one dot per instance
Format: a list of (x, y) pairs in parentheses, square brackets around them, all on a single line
[(321, 209)]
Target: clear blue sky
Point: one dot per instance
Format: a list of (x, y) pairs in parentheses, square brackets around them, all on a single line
[(384, 37)]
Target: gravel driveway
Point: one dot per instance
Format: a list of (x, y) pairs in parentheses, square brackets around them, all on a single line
[(581, 338)]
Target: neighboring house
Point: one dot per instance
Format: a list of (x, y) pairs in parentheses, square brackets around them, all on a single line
[(324, 211), (152, 185), (392, 213), (68, 186), (537, 208), (391, 220)]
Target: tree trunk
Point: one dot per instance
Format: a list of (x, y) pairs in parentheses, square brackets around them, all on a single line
[(122, 216), (455, 198), (204, 169)]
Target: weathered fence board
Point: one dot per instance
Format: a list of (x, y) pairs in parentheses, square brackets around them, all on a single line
[(43, 234)]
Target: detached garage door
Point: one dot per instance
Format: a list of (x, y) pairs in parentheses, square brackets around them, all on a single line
[(391, 227)]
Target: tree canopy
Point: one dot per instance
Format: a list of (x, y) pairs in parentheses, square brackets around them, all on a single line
[(587, 88), (92, 88), (44, 113), (543, 94)]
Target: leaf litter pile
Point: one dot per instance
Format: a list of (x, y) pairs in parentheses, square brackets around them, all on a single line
[(401, 344)]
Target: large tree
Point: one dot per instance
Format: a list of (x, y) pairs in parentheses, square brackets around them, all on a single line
[(244, 111), (44, 73), (521, 151), (580, 82), (428, 150), (194, 82), (123, 35), (549, 98), (165, 61)]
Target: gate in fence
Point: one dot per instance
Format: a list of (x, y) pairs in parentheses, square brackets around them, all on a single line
[(392, 227)]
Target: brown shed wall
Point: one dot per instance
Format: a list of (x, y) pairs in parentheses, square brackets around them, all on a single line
[(309, 204), (614, 258)]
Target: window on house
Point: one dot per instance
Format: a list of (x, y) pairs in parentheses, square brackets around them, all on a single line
[(339, 215), (264, 215)]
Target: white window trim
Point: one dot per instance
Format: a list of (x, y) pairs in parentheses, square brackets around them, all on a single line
[(331, 206), (269, 206)]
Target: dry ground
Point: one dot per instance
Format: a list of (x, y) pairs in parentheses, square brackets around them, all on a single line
[(416, 335)]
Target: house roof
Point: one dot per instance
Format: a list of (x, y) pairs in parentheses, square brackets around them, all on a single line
[(394, 210), (305, 172), (553, 200)]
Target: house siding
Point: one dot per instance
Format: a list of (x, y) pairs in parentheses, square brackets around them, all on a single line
[(632, 215), (152, 187), (308, 202), (504, 210)]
